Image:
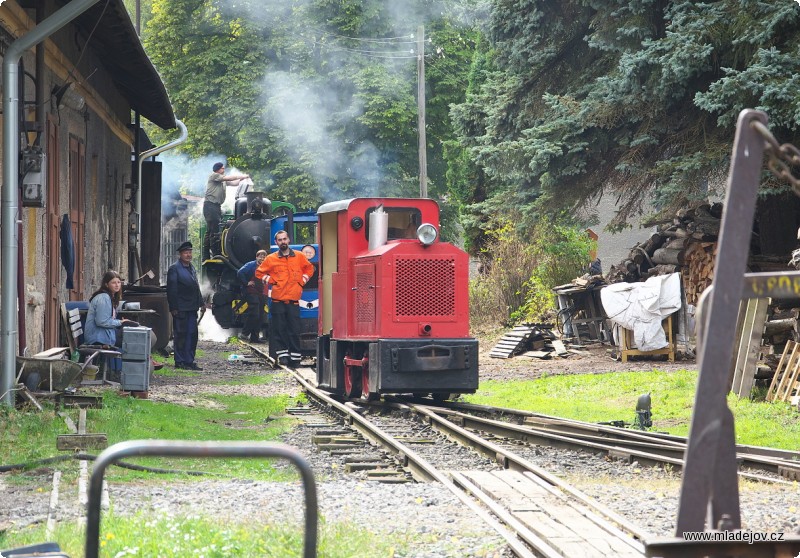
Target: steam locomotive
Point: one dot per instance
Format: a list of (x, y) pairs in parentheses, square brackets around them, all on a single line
[(251, 228), (394, 309)]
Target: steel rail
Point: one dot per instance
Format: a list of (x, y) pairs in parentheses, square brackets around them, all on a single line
[(421, 470), (787, 458), (510, 460), (657, 455)]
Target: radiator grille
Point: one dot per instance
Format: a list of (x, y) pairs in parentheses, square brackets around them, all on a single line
[(365, 295), (425, 287)]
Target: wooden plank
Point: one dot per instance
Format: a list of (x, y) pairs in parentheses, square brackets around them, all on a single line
[(541, 524), (510, 344), (788, 389), (29, 396), (501, 491), (559, 347), (66, 442), (748, 377), (570, 531), (577, 352), (538, 354), (69, 422), (783, 365), (794, 390), (744, 327), (740, 318), (55, 353), (794, 359)]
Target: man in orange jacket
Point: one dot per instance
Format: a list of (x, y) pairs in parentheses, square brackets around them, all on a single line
[(286, 271)]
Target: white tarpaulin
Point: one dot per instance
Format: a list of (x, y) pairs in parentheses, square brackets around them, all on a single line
[(640, 307)]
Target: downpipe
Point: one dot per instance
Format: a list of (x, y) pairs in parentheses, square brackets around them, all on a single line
[(139, 160), (9, 194)]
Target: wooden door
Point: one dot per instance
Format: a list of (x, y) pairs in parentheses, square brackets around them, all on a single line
[(77, 215), (52, 316)]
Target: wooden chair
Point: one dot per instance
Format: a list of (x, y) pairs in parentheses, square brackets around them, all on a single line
[(626, 342), (73, 317)]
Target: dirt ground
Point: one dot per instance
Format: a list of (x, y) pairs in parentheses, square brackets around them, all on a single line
[(593, 359)]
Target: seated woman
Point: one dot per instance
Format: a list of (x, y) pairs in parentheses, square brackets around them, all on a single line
[(102, 326)]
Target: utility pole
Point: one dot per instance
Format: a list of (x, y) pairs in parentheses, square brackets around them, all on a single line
[(423, 156)]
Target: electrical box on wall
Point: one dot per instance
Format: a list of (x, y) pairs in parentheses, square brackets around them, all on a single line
[(33, 181)]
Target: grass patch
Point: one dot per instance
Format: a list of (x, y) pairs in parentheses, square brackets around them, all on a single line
[(251, 380), (169, 537), (169, 368), (612, 396), (169, 371), (25, 437)]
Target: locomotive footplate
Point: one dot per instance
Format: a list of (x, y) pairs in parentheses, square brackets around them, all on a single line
[(424, 365)]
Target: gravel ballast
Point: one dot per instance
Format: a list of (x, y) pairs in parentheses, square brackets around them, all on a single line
[(443, 526)]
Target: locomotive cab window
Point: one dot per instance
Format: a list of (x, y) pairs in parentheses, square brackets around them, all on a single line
[(403, 222), (305, 233)]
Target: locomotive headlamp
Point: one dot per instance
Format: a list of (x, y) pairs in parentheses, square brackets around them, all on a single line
[(356, 223), (427, 234)]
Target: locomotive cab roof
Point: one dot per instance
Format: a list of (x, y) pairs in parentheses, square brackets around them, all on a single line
[(404, 217), (356, 204)]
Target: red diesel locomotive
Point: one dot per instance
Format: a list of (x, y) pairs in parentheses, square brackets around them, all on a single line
[(394, 308)]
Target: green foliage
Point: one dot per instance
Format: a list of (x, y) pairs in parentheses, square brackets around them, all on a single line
[(520, 269), (563, 254), (499, 291), (575, 97), (316, 99)]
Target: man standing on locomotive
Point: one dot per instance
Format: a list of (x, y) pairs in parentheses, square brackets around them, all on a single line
[(212, 206), (287, 272), (254, 295)]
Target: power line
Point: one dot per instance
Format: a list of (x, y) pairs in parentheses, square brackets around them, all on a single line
[(407, 39), (402, 54)]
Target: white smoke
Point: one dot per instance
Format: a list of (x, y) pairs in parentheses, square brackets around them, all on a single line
[(186, 175)]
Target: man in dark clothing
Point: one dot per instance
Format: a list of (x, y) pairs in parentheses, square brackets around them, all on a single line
[(212, 206), (254, 295), (184, 299)]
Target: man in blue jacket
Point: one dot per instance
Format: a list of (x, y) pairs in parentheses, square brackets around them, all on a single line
[(184, 299), (254, 295)]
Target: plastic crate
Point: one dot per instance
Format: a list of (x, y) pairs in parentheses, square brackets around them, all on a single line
[(135, 375)]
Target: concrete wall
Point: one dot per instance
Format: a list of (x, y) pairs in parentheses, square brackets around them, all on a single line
[(612, 248)]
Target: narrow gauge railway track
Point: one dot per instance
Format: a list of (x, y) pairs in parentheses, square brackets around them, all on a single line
[(646, 447), (536, 513)]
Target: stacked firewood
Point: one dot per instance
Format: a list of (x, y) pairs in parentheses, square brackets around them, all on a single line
[(687, 244), (699, 270)]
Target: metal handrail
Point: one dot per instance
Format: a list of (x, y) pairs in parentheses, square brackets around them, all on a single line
[(171, 448)]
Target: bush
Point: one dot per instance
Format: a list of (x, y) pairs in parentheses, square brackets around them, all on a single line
[(506, 267), (520, 268)]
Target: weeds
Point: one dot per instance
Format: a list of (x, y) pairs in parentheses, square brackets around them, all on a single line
[(520, 269), (173, 536)]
